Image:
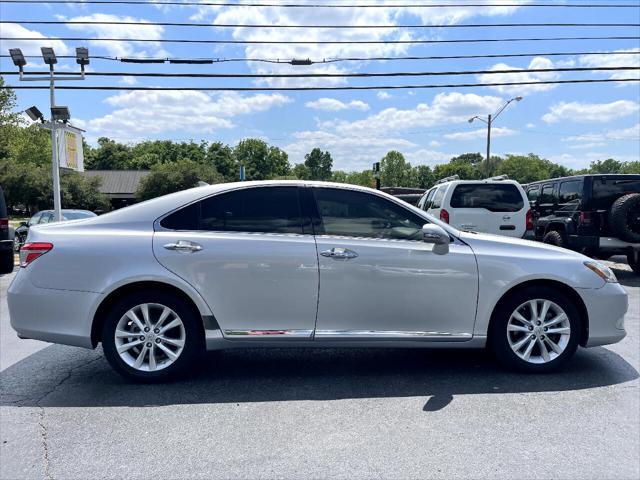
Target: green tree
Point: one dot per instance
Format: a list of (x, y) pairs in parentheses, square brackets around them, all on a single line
[(221, 157), (8, 118), (465, 171), (530, 168), (109, 155), (423, 176), (471, 158), (318, 164), (261, 161), (630, 167), (395, 171), (172, 177), (80, 192), (606, 166), (301, 172)]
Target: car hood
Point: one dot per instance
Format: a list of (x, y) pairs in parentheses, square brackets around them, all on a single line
[(518, 246)]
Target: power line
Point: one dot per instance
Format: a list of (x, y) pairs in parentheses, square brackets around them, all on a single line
[(312, 42), (336, 75), (326, 5), (212, 60), (293, 89), (239, 25)]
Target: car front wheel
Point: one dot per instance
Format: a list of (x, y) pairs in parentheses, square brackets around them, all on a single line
[(152, 336), (535, 330)]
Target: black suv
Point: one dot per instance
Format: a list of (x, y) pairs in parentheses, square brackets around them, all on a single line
[(598, 215), (6, 243)]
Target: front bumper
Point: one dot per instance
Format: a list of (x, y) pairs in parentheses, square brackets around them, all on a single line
[(51, 315), (606, 308)]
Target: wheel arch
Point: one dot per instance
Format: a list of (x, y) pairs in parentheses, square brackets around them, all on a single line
[(563, 287), (136, 286)]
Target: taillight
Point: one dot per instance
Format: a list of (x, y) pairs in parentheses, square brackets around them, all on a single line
[(30, 251), (444, 215), (4, 224), (586, 219), (529, 220)]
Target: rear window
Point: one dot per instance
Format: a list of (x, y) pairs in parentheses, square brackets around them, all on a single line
[(607, 191), (78, 215), (494, 197)]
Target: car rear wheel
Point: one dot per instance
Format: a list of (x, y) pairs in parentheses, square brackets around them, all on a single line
[(554, 238), (535, 330), (152, 336)]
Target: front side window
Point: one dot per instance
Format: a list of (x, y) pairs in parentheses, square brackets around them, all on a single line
[(570, 192), (547, 194), (260, 210), (438, 197), (493, 197), (350, 213)]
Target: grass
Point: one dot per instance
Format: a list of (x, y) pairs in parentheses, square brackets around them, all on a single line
[(15, 222)]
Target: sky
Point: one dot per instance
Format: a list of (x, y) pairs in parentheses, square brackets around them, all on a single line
[(571, 124)]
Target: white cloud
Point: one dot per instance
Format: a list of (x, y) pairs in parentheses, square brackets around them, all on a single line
[(593, 139), (525, 76), (333, 105), (583, 159), (128, 80), (590, 112), (13, 30), (425, 156), (446, 108), (618, 59), (138, 31), (481, 133), (435, 143), (139, 115), (530, 125), (382, 95)]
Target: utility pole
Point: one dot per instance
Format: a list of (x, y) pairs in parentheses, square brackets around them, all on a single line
[(59, 114), (489, 121)]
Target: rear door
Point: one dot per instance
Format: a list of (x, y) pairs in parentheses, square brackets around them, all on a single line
[(248, 254), (497, 208)]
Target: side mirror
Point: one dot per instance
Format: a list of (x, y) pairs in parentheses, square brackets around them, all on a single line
[(24, 224), (438, 236)]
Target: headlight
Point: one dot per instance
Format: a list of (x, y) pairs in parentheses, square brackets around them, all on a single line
[(602, 271)]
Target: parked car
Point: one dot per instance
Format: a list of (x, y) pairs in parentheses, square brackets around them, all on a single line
[(297, 263), (595, 214), (45, 216), (6, 252), (495, 205)]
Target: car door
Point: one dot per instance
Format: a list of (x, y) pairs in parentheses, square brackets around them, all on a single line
[(247, 253), (379, 280)]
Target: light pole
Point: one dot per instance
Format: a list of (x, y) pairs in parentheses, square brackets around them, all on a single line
[(489, 121), (59, 114)]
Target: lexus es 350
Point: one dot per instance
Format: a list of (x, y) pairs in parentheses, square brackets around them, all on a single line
[(302, 264)]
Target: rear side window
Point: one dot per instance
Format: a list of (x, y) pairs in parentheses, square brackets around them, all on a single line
[(547, 194), (261, 210), (606, 191), (493, 197), (570, 192), (437, 198), (533, 193)]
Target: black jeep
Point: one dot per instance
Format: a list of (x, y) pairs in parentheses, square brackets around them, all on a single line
[(598, 215)]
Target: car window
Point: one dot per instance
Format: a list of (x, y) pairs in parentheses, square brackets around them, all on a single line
[(504, 197), (547, 194), (570, 193), (261, 210), (358, 214), (46, 218), (438, 196), (429, 199), (533, 193), (78, 215), (608, 190), (35, 219)]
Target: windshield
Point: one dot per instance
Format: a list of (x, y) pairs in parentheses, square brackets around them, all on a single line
[(78, 215)]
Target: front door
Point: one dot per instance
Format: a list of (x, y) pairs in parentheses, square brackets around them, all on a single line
[(380, 281), (247, 254)]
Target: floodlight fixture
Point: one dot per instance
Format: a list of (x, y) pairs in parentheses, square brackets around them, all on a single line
[(34, 114), (48, 55), (17, 57), (82, 56), (518, 98), (60, 113)]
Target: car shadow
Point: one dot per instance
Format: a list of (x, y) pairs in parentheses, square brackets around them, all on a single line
[(60, 376)]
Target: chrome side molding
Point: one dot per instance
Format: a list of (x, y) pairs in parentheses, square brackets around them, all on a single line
[(267, 334), (392, 335)]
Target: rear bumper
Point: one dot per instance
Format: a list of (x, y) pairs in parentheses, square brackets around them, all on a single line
[(57, 316), (606, 307)]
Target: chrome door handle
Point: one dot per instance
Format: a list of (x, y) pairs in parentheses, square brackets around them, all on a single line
[(339, 253), (184, 246)]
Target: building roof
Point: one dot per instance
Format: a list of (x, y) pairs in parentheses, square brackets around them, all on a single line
[(118, 182)]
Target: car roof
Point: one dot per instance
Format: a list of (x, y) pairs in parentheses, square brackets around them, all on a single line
[(479, 182), (577, 177)]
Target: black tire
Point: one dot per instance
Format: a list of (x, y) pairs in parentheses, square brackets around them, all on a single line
[(6, 262), (194, 336), (634, 262), (498, 335), (624, 218), (556, 238)]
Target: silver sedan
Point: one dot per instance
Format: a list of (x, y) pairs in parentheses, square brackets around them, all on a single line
[(302, 264)]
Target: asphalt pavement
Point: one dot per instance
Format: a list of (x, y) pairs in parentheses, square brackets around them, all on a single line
[(339, 413)]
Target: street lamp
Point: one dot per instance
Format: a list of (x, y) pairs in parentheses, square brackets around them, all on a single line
[(59, 115), (489, 121)]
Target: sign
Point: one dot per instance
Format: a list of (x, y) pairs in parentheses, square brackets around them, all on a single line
[(70, 153)]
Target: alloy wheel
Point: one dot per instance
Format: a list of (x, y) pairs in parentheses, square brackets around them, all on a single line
[(150, 337), (538, 331)]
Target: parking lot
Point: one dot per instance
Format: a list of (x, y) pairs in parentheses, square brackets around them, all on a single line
[(321, 413)]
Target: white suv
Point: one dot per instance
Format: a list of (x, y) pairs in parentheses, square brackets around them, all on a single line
[(495, 205)]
